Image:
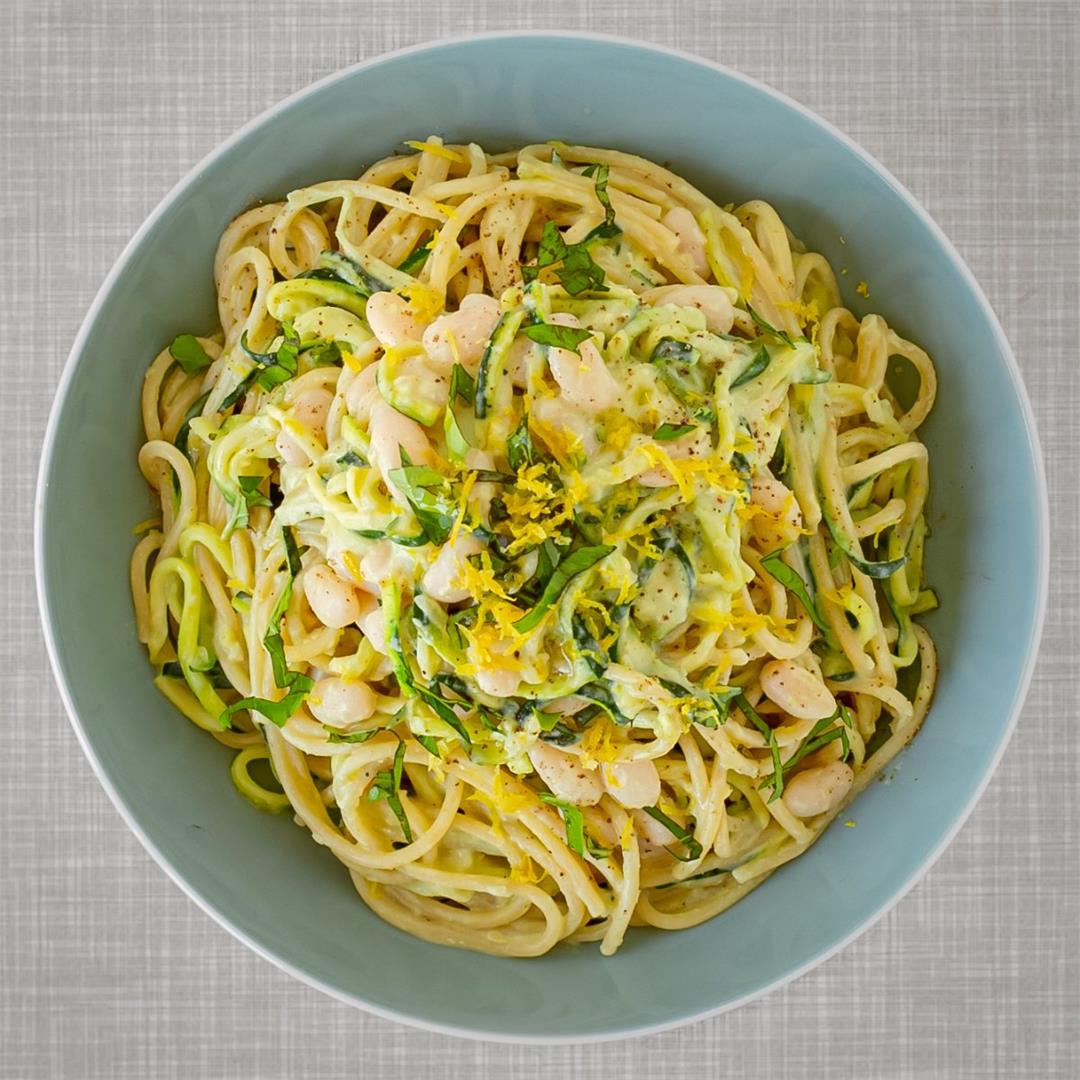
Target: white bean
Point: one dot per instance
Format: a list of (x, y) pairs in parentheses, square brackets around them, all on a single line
[(333, 601), (469, 328), (391, 320), (498, 681), (695, 443), (557, 414), (799, 692), (582, 376), (309, 409), (782, 520), (442, 578), (691, 239), (339, 702), (713, 301), (817, 791), (632, 783), (565, 776), (373, 626), (376, 566), (517, 362), (389, 432), (362, 394)]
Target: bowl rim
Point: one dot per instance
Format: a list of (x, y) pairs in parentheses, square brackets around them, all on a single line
[(75, 355)]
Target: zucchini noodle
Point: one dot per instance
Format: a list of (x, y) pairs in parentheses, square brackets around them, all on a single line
[(548, 536)]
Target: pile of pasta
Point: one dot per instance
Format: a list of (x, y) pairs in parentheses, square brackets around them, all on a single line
[(544, 536)]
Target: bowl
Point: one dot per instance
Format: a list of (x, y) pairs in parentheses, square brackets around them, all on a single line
[(261, 876)]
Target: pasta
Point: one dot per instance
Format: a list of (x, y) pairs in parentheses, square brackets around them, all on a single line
[(544, 536)]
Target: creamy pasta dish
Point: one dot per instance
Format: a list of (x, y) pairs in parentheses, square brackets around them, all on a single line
[(544, 537)]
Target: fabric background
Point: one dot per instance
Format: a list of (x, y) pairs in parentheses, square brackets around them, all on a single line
[(107, 969)]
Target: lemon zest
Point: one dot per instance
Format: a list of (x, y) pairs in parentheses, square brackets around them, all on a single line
[(435, 148), (466, 489)]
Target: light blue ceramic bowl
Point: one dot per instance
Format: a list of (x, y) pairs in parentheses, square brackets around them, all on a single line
[(261, 876)]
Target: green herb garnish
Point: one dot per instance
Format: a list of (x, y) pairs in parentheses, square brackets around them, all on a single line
[(768, 328), (607, 229), (773, 564), (668, 432), (576, 270), (747, 710), (574, 820), (189, 353), (753, 369), (416, 483), (559, 337), (297, 684), (575, 563), (686, 838), (387, 785)]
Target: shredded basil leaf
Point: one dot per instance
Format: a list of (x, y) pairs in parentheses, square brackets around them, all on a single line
[(520, 450), (560, 337), (668, 432), (575, 563), (577, 272), (747, 710), (574, 820), (686, 838), (387, 785), (753, 369), (768, 328), (351, 736), (279, 366), (249, 488), (432, 512), (876, 570), (462, 385), (607, 229), (189, 353), (773, 564), (298, 684)]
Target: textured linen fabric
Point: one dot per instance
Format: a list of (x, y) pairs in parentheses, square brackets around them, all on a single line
[(107, 969)]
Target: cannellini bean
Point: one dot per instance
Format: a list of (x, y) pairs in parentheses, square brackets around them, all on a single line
[(582, 376), (817, 791), (389, 432), (373, 626), (497, 681), (694, 444), (799, 692), (340, 702), (442, 578), (713, 301), (517, 362), (563, 417), (376, 566), (362, 394), (391, 321), (469, 328), (783, 519), (334, 601), (564, 774), (691, 239), (632, 783), (309, 409)]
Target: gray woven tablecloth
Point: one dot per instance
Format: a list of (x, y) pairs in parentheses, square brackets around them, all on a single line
[(106, 969)]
